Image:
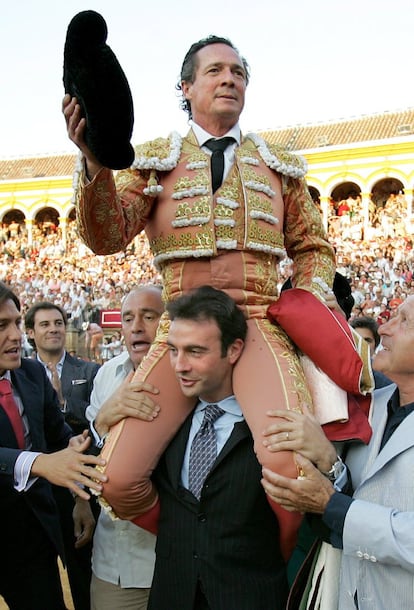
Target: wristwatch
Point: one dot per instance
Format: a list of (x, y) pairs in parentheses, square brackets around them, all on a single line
[(336, 470)]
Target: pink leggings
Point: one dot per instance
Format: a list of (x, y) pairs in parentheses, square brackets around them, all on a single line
[(267, 376)]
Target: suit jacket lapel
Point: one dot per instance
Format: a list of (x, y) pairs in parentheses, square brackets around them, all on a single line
[(29, 394), (7, 435), (69, 372), (378, 424), (239, 433), (174, 455), (401, 440)]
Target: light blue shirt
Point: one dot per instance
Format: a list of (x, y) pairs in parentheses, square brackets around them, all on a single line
[(223, 426), (59, 366)]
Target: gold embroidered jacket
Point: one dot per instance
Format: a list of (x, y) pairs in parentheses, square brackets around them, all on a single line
[(263, 208)]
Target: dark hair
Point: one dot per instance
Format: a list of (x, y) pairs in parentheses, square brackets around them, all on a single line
[(207, 303), (190, 64), (370, 324), (7, 294), (29, 320)]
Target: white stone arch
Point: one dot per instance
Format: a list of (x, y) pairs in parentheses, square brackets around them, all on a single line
[(70, 211), (40, 204), (338, 180), (6, 208), (378, 175), (315, 184), (350, 184)]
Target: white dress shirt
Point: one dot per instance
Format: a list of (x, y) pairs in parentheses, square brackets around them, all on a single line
[(202, 136)]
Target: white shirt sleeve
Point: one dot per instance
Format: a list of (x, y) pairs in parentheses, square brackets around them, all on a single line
[(22, 470)]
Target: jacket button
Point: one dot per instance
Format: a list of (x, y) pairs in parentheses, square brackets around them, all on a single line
[(359, 554), (202, 518)]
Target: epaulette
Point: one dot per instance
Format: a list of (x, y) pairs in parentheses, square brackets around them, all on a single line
[(161, 154), (278, 158)]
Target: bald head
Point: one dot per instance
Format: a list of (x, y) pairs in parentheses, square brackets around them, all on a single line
[(140, 313)]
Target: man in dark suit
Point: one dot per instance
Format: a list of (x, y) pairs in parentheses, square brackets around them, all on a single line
[(33, 454), (72, 379), (218, 545)]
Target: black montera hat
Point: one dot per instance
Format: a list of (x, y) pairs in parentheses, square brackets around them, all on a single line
[(343, 292), (93, 75)]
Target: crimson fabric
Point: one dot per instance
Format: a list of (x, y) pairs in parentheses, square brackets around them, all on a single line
[(149, 520), (321, 334), (12, 410), (357, 427), (326, 338)]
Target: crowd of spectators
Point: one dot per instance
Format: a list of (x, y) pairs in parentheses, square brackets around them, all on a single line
[(69, 274), (386, 219), (378, 263), (380, 271)]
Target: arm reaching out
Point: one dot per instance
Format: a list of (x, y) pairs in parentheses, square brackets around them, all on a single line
[(71, 468), (128, 400)]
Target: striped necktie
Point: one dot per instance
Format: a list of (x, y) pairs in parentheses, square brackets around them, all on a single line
[(203, 451)]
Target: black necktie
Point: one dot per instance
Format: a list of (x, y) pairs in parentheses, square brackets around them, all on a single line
[(217, 159), (203, 451)]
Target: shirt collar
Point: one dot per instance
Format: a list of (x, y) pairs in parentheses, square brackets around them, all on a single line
[(59, 365), (229, 404), (202, 135), (125, 364)]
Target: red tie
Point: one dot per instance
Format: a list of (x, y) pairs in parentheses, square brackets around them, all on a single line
[(12, 411)]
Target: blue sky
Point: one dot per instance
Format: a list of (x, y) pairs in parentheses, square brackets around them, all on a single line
[(311, 60)]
